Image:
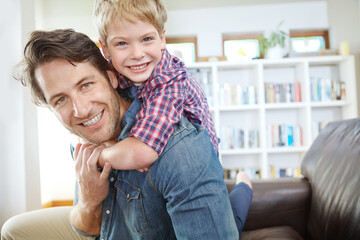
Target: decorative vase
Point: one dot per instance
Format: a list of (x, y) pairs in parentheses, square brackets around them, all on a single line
[(275, 52)]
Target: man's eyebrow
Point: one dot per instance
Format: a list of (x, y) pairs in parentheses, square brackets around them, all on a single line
[(86, 78)]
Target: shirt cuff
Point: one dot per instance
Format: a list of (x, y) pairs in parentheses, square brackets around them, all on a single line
[(82, 233)]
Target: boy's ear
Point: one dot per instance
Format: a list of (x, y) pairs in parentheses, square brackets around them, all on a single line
[(163, 40), (113, 80), (104, 49)]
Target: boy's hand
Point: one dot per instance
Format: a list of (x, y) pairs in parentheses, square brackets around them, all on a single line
[(128, 154), (110, 143), (143, 169)]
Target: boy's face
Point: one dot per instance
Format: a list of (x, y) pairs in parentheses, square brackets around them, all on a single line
[(82, 99), (134, 48)]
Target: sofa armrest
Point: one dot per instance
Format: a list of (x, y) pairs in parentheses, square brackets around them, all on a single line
[(279, 202)]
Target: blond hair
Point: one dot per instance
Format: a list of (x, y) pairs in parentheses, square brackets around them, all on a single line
[(105, 11)]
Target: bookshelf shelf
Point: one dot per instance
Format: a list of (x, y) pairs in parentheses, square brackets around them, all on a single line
[(251, 107), (241, 151), (284, 105), (287, 150), (294, 96), (329, 104)]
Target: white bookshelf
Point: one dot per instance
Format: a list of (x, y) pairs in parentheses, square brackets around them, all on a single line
[(220, 78)]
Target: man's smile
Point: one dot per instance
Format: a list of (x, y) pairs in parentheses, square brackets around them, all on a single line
[(93, 120)]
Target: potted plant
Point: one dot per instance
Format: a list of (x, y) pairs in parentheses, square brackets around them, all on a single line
[(272, 46)]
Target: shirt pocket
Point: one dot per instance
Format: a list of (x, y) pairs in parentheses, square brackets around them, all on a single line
[(129, 199)]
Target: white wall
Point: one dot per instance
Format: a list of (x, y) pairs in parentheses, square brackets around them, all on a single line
[(209, 24), (19, 171), (56, 165), (344, 19), (67, 14)]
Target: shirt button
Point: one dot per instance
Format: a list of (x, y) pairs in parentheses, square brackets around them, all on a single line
[(112, 179), (108, 211)]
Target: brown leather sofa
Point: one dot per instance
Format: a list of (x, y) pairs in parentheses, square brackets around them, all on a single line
[(325, 204)]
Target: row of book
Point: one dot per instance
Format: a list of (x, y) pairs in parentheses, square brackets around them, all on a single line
[(317, 127), (284, 135), (282, 172), (235, 94), (237, 138), (253, 173), (324, 89), (203, 76), (282, 92)]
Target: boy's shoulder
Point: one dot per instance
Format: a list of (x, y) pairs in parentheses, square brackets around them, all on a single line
[(170, 66)]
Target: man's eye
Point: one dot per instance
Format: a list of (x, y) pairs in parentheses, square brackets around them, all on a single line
[(60, 101), (86, 85)]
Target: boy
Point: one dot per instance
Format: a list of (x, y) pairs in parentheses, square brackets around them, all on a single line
[(132, 37)]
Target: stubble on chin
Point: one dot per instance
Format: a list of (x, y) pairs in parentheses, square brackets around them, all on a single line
[(113, 128), (98, 139)]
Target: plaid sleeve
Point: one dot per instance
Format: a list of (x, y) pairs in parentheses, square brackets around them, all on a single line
[(161, 109)]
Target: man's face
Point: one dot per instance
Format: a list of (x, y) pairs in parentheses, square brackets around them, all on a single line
[(81, 97), (134, 48)]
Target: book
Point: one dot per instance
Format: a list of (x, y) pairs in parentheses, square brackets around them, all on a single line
[(284, 135)]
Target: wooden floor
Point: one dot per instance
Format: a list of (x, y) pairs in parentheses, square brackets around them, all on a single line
[(58, 203)]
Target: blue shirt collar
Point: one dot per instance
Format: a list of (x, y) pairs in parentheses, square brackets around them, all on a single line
[(129, 119)]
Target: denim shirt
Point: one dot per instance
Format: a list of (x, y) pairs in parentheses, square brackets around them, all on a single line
[(182, 196)]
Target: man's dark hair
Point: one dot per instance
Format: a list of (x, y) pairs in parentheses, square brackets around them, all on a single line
[(45, 46)]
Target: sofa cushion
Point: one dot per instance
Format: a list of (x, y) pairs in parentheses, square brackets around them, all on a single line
[(279, 202), (273, 233)]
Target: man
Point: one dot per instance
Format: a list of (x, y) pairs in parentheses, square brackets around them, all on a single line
[(182, 196)]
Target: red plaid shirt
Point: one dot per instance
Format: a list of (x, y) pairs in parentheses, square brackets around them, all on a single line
[(166, 96)]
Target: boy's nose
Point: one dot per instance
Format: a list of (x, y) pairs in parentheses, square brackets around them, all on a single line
[(137, 52)]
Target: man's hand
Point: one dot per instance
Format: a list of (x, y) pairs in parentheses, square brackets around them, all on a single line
[(93, 184), (93, 187)]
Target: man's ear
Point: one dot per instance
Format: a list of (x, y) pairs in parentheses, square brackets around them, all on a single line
[(163, 40), (113, 79), (104, 49)]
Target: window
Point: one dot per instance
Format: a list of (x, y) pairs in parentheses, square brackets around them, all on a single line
[(184, 48), (309, 41), (241, 46)]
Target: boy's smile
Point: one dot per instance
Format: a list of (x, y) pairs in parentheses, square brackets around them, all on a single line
[(134, 48)]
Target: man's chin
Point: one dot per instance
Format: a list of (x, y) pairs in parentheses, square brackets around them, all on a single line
[(94, 141), (90, 139)]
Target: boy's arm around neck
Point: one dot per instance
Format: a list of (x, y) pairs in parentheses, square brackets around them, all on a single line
[(128, 154)]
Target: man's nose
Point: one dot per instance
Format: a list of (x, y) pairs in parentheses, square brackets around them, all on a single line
[(81, 107)]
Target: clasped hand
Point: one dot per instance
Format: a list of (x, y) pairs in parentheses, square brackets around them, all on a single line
[(93, 185)]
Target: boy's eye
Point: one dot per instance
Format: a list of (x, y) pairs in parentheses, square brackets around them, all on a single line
[(147, 39), (121, 44)]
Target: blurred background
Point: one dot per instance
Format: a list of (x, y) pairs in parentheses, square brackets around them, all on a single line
[(36, 167)]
